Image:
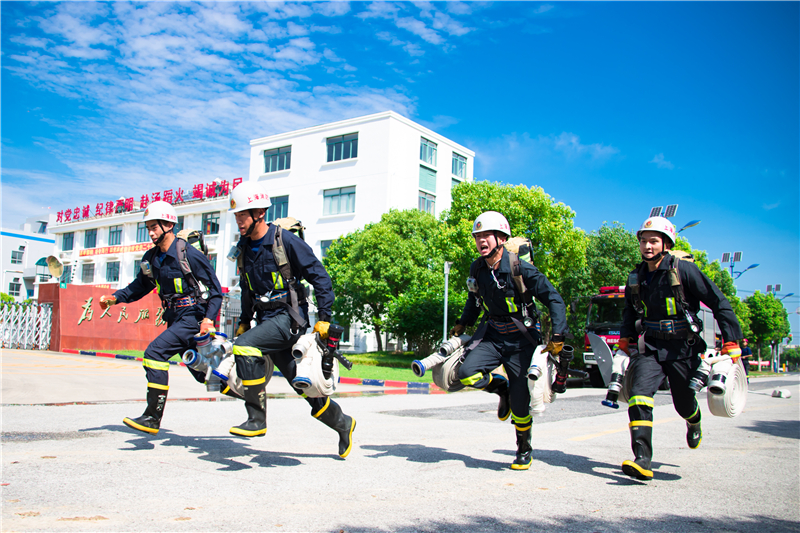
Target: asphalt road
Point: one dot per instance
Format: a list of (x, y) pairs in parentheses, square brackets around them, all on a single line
[(434, 463)]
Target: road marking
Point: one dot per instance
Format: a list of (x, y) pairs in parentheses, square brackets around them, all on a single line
[(610, 431)]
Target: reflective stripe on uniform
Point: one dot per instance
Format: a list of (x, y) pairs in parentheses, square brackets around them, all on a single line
[(277, 280), (521, 420), (637, 423), (178, 286), (693, 414), (251, 351), (512, 307), (251, 382), (647, 401), (671, 309), (324, 407), (246, 275), (155, 365), (158, 386), (473, 379), (158, 287)]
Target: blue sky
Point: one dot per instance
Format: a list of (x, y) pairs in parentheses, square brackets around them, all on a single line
[(612, 108)]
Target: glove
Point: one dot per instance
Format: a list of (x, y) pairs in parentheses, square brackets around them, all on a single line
[(457, 330), (242, 328), (207, 326), (322, 328), (107, 301), (554, 347), (732, 349), (624, 346)]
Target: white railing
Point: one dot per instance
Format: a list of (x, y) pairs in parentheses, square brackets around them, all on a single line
[(25, 326)]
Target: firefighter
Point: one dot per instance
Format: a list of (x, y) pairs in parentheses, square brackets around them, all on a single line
[(274, 296), (672, 346), (191, 302), (503, 337)]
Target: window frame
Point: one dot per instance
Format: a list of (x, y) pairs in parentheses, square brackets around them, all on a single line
[(282, 157), (142, 233), (276, 202), (15, 292), (429, 200), (109, 269), (66, 275), (349, 192), (115, 235), (331, 144), (17, 256), (65, 240), (86, 238), (428, 150), (459, 163), (211, 219), (84, 268)]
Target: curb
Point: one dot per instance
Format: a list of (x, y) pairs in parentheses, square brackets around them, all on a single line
[(395, 387)]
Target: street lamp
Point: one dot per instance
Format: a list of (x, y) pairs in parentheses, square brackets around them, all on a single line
[(745, 270), (691, 224), (790, 294), (733, 258), (773, 288)]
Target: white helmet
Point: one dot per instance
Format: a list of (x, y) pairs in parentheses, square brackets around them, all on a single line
[(160, 211), (249, 195), (491, 221), (661, 225)]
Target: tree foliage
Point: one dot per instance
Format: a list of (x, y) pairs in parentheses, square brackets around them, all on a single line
[(769, 320)]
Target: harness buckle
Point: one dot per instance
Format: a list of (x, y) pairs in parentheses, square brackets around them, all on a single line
[(666, 326)]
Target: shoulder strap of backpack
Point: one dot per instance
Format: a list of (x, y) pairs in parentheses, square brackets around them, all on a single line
[(285, 268), (183, 261), (516, 274)]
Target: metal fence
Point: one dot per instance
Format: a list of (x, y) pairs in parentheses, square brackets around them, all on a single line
[(26, 326)]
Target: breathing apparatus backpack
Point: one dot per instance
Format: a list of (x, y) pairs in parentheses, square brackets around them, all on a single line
[(184, 237)]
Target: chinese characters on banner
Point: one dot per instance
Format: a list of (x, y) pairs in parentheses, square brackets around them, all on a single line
[(123, 205), (88, 314)]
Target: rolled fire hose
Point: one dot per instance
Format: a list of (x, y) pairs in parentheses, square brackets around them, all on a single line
[(445, 374), (309, 377), (727, 387), (541, 389)]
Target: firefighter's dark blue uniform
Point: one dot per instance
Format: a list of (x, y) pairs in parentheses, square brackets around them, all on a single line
[(182, 311), (670, 348), (503, 343), (266, 297)]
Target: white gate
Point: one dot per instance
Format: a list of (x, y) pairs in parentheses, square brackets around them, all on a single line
[(26, 326)]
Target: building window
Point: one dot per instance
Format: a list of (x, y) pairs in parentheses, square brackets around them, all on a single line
[(179, 226), (67, 241), (211, 223), (141, 232), (66, 276), (454, 183), (90, 238), (115, 235), (16, 257), (427, 151), (427, 179), (136, 267), (343, 147), (212, 258), (278, 159), (42, 227), (323, 247), (279, 208), (112, 271), (459, 166), (427, 203), (338, 201), (87, 273), (14, 287), (30, 293)]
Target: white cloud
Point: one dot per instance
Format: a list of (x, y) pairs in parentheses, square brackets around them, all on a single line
[(570, 145), (770, 207), (661, 162)]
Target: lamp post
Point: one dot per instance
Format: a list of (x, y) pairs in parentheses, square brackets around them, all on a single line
[(790, 294), (446, 280), (731, 259), (773, 288), (745, 270), (688, 225)]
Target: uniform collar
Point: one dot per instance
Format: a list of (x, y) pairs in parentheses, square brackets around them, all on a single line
[(269, 239)]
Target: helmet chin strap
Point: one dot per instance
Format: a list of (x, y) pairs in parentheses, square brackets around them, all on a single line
[(163, 234), (656, 258), (252, 224), (497, 247)]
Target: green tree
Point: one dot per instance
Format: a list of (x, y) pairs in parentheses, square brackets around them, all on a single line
[(612, 252), (377, 265), (558, 246), (791, 357), (6, 297), (769, 320)]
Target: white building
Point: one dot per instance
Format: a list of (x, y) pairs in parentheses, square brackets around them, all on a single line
[(335, 178), (24, 252)]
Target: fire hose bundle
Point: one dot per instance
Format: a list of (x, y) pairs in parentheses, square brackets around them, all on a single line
[(444, 364), (214, 357), (317, 369)]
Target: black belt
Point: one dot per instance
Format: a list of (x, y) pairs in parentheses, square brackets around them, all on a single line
[(666, 329)]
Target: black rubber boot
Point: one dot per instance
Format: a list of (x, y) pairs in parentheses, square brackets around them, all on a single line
[(642, 445), (523, 459), (694, 434), (227, 391), (255, 403), (150, 421), (499, 385), (332, 416)]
